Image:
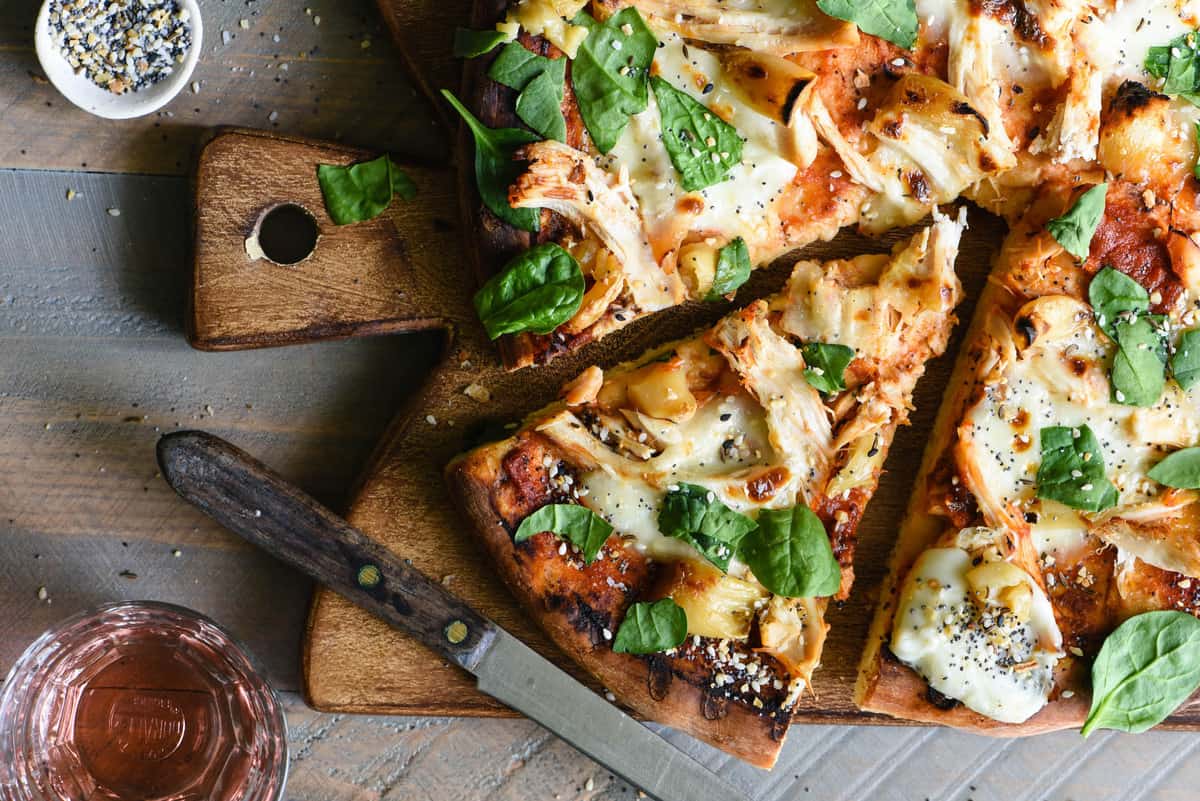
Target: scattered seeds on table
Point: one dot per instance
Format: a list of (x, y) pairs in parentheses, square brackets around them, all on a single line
[(121, 45)]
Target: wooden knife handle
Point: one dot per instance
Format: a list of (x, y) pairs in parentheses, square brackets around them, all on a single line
[(255, 502)]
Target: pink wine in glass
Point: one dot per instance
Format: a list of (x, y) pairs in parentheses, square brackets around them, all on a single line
[(139, 702)]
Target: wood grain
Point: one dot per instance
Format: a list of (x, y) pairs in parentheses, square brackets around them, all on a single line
[(382, 276), (91, 311), (256, 503), (282, 72)]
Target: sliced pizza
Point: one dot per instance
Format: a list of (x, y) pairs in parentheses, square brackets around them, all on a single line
[(643, 138), (1056, 500), (678, 524)]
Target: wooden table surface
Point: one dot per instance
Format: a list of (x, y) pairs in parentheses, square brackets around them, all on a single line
[(93, 366)]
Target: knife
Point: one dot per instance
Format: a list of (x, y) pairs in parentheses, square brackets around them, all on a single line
[(253, 501)]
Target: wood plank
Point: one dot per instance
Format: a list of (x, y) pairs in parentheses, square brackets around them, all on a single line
[(315, 80), (380, 276), (93, 366)]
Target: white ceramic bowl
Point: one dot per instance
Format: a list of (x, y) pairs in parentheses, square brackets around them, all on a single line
[(90, 97)]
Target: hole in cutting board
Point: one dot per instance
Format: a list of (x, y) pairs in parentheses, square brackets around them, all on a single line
[(287, 234)]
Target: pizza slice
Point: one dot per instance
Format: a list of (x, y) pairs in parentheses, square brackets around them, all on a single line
[(644, 137), (678, 524), (1056, 501)]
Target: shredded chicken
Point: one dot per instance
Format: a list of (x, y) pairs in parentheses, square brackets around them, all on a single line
[(772, 369), (793, 631), (772, 26), (972, 70), (567, 181), (1162, 532), (1074, 132), (896, 313)]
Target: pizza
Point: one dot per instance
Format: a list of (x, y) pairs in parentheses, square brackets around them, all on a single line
[(682, 128), (679, 524), (1050, 508)]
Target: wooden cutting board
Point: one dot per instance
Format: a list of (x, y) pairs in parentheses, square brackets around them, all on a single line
[(352, 662), (355, 663)]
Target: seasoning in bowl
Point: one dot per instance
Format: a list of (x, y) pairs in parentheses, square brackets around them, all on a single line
[(121, 45)]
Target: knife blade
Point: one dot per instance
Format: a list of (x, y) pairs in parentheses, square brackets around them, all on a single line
[(256, 503)]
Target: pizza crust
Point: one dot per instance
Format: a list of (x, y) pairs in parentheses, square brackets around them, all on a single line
[(637, 682)]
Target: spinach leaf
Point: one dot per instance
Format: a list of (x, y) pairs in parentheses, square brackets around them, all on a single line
[(694, 515), (540, 103), (790, 555), (826, 370), (576, 524), (894, 20), (516, 66), (1072, 469), (1139, 365), (1177, 64), (1180, 469), (469, 43), (733, 270), (540, 83), (1114, 295), (537, 291), (702, 146), (495, 168), (1185, 362), (650, 628), (609, 72), (1074, 230), (362, 191), (1146, 668)]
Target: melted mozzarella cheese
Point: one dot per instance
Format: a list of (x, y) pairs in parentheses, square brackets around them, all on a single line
[(982, 657), (1119, 38), (726, 439), (1037, 391), (743, 205)]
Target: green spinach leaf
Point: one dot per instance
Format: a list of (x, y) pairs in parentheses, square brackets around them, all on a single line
[(733, 270), (608, 75), (469, 43), (1146, 668), (1177, 64), (789, 553), (1074, 230), (537, 291), (576, 524), (540, 83), (894, 20), (516, 66), (1139, 365), (703, 147), (826, 370), (1185, 362), (1072, 469), (495, 167), (540, 103), (1113, 296), (651, 628), (1180, 469), (693, 514), (362, 191)]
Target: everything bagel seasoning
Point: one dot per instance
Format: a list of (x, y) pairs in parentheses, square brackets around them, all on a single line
[(121, 45)]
